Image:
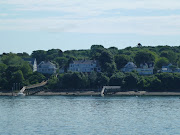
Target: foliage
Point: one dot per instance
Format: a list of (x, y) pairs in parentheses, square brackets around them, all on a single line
[(13, 69), (121, 60), (144, 57), (161, 62)]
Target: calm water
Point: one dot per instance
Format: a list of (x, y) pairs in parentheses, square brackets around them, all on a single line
[(58, 115)]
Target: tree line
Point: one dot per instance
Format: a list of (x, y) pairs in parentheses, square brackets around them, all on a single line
[(13, 69)]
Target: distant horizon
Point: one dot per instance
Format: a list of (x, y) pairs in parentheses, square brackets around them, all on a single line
[(90, 48)]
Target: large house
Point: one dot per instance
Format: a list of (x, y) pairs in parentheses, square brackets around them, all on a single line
[(170, 69), (144, 69), (46, 67), (85, 66), (33, 62), (129, 67)]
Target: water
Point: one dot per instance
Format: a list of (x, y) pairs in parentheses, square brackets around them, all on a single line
[(60, 115)]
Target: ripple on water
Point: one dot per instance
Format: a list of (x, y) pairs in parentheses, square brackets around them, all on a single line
[(47, 115)]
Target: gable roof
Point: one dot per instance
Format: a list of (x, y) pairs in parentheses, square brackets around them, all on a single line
[(46, 63), (130, 65)]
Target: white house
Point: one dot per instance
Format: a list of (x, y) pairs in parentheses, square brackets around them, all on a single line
[(84, 66), (129, 67), (33, 62), (169, 69), (46, 67), (144, 69)]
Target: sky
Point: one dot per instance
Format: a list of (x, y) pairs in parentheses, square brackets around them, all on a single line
[(28, 25)]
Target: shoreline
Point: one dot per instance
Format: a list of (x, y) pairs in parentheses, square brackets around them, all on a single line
[(92, 93)]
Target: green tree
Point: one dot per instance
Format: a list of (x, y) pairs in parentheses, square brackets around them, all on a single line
[(121, 60), (17, 77), (170, 55), (62, 61), (161, 62), (113, 50), (117, 79), (26, 70), (107, 63), (3, 68), (93, 80), (102, 80), (130, 81), (40, 55), (52, 83), (167, 81), (11, 59), (144, 57)]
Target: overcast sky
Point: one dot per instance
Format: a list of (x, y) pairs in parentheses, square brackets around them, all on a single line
[(27, 25)]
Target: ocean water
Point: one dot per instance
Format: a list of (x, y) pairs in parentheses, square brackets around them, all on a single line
[(85, 115)]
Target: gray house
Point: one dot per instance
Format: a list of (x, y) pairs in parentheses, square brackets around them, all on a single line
[(46, 67), (85, 66), (33, 62), (144, 69), (129, 67), (170, 69)]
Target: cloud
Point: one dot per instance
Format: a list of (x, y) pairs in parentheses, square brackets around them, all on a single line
[(159, 25), (94, 4), (3, 14), (88, 16)]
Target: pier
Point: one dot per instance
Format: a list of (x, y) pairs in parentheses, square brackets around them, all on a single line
[(110, 88), (32, 89)]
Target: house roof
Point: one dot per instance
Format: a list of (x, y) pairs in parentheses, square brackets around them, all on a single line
[(167, 66), (130, 65), (46, 63)]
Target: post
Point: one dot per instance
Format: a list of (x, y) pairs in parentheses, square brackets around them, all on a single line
[(12, 91)]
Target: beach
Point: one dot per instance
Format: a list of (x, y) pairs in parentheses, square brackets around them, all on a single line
[(92, 93)]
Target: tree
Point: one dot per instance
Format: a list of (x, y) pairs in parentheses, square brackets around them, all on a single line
[(26, 69), (167, 80), (80, 80), (107, 63), (155, 84), (117, 79), (3, 68), (36, 78), (96, 52), (102, 80), (161, 62), (17, 77), (40, 55), (113, 50), (170, 55), (94, 47), (121, 60), (130, 81), (93, 80), (23, 55), (11, 59), (62, 61), (52, 83), (144, 57)]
